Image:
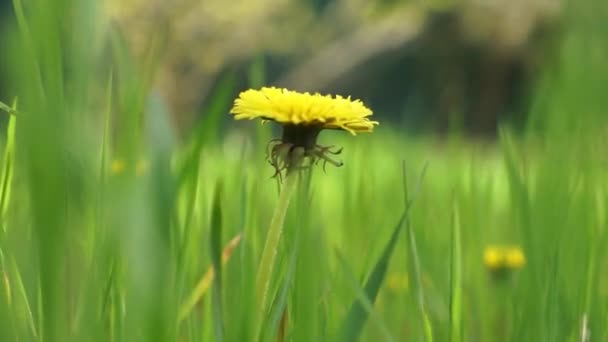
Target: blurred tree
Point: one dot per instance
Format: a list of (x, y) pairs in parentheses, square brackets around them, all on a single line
[(467, 66), (319, 5), (206, 37), (433, 65)]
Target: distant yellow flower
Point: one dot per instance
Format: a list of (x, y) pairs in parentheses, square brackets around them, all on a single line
[(497, 258), (493, 258), (141, 167), (119, 166), (303, 116), (398, 282), (515, 258)]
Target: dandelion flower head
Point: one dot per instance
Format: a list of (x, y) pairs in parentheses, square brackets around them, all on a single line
[(303, 116), (303, 109)]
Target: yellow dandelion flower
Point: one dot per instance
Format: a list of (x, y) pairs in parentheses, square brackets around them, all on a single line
[(117, 166), (303, 116), (515, 258), (303, 109), (493, 257), (500, 258), (398, 282)]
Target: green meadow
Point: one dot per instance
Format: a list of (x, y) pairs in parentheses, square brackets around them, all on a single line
[(115, 228)]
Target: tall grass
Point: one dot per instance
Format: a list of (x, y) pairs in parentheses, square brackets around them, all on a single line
[(115, 230)]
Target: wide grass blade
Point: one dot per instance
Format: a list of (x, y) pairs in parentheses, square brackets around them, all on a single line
[(364, 305), (357, 314)]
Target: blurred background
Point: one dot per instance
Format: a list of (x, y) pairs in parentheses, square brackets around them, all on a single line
[(423, 66)]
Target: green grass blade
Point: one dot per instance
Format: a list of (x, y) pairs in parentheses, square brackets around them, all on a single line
[(206, 130), (280, 302), (106, 141), (216, 259), (256, 73), (8, 109), (23, 294), (364, 304), (6, 284), (204, 133), (7, 168), (218, 106), (206, 281), (26, 36), (107, 290), (456, 281), (8, 328), (357, 314), (414, 259), (273, 237)]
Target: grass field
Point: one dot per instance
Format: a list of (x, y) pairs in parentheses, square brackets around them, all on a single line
[(111, 224)]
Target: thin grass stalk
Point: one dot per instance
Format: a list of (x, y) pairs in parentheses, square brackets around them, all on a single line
[(415, 261), (205, 282), (8, 162), (273, 237), (456, 280)]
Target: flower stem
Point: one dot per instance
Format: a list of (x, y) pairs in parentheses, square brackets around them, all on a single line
[(272, 241)]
